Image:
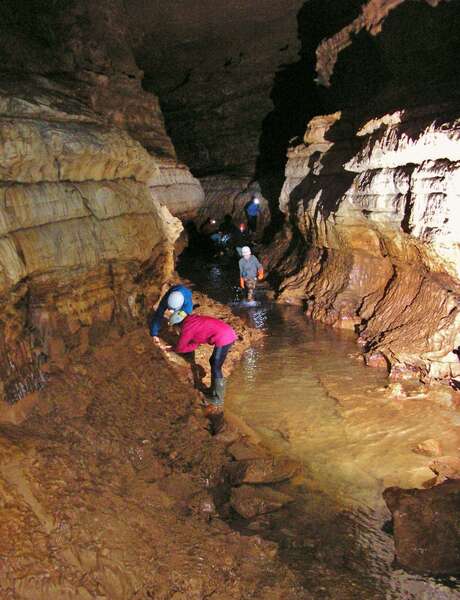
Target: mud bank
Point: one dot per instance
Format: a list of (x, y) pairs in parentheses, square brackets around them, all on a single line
[(112, 489)]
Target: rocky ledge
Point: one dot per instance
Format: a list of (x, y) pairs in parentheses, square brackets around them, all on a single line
[(372, 239)]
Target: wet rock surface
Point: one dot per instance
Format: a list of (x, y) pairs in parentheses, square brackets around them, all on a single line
[(241, 451), (251, 501), (366, 249), (426, 528), (264, 470)]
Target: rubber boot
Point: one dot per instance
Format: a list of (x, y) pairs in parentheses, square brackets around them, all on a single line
[(210, 392), (219, 392)]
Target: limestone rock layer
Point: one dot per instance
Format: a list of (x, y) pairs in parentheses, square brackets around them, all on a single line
[(373, 241), (87, 172), (82, 240)]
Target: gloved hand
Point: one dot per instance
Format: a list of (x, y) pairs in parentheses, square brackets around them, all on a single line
[(241, 282), (260, 274)]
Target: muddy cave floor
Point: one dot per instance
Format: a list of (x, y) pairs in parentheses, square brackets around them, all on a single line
[(115, 489)]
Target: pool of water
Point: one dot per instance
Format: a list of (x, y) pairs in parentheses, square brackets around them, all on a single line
[(306, 392)]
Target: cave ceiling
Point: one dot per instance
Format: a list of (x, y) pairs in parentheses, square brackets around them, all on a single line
[(236, 79), (212, 63)]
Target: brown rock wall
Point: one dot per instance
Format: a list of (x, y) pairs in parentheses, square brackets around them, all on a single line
[(37, 151), (374, 228), (175, 187), (85, 168), (83, 244)]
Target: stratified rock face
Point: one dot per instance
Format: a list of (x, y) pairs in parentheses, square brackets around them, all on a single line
[(78, 53), (175, 187), (373, 208), (426, 528), (83, 243), (86, 167)]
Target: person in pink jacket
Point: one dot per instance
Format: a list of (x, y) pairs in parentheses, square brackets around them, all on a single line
[(200, 329)]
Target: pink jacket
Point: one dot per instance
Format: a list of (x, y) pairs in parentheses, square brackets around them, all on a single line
[(198, 329)]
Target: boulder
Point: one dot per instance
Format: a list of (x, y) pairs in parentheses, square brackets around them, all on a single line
[(427, 528), (242, 451), (251, 501), (263, 470)]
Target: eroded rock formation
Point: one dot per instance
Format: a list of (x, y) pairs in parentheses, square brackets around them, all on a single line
[(371, 193), (79, 230), (86, 168), (373, 206)]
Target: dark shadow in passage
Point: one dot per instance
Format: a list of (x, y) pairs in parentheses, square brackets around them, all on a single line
[(296, 97)]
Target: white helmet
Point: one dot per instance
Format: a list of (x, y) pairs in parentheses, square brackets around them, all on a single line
[(246, 251), (176, 300)]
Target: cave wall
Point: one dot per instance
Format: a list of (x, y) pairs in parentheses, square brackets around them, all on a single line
[(373, 242), (86, 48), (371, 196), (87, 172), (213, 65), (84, 140)]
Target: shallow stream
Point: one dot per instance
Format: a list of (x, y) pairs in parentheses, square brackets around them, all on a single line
[(305, 391)]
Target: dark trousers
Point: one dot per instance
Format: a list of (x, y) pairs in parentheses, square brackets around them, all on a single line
[(217, 359), (252, 223)]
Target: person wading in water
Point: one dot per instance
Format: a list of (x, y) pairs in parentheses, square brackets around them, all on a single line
[(250, 270)]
